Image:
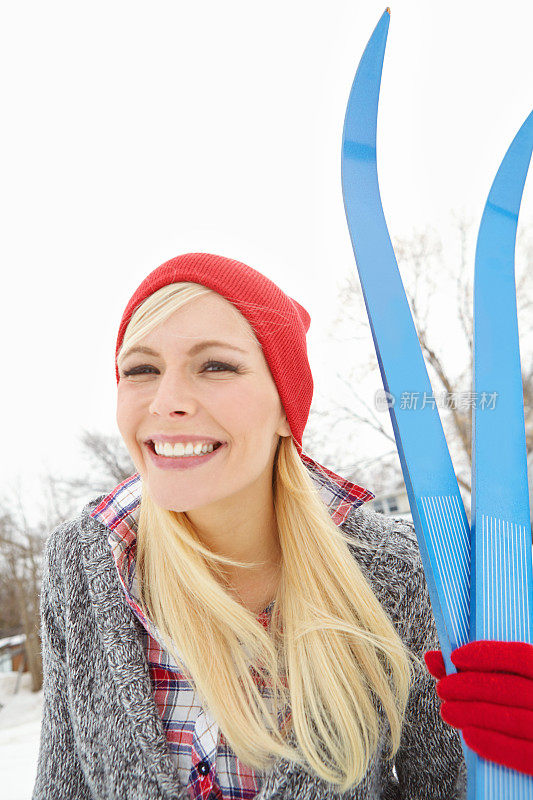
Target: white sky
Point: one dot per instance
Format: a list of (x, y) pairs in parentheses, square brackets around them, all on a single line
[(133, 132)]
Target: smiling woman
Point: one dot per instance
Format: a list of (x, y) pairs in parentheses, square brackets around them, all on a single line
[(227, 622)]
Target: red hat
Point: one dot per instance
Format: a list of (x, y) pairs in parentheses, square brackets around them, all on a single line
[(279, 322)]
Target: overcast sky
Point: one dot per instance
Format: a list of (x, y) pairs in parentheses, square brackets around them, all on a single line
[(133, 132)]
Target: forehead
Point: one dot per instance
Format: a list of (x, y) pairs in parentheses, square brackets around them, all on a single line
[(207, 317)]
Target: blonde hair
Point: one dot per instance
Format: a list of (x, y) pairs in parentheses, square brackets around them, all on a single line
[(332, 656)]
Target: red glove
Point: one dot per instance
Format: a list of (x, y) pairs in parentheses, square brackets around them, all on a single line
[(490, 698)]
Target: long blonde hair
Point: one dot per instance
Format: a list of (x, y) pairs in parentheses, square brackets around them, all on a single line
[(332, 656)]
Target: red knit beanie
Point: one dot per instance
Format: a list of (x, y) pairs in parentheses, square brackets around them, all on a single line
[(279, 322)]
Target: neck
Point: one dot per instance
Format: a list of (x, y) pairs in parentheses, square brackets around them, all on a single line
[(244, 529)]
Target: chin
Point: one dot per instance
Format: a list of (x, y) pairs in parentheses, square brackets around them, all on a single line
[(167, 499)]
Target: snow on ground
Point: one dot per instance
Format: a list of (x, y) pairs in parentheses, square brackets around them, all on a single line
[(20, 725)]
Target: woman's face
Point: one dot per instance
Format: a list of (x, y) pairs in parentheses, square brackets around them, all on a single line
[(175, 392)]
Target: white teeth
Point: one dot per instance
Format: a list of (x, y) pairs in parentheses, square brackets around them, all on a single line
[(182, 448)]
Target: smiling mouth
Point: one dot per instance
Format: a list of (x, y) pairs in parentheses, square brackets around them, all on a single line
[(151, 445)]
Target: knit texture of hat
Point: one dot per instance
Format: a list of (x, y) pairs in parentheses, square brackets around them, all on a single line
[(279, 322)]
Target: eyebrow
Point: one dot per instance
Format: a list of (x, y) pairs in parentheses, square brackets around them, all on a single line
[(196, 348)]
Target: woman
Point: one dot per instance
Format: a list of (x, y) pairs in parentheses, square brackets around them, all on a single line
[(228, 622)]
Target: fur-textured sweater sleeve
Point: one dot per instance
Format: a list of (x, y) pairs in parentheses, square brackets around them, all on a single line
[(59, 772)]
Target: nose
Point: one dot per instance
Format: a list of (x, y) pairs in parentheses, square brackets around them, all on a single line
[(173, 395)]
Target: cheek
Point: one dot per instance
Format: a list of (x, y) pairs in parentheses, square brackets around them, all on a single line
[(127, 415), (251, 411)]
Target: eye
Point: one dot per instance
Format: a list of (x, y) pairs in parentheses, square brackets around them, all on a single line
[(225, 367), (137, 370)]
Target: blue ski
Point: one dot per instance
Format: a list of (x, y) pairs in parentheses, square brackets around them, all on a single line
[(437, 508), (502, 579)]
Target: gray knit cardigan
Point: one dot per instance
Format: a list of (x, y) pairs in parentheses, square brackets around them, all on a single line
[(102, 736)]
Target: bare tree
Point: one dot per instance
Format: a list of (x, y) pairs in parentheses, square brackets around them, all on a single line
[(438, 283), (21, 552), (109, 464), (21, 545), (9, 610)]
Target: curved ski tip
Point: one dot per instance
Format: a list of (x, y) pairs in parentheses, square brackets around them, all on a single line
[(388, 10)]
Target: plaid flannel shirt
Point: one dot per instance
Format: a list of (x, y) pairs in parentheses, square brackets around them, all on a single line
[(206, 762)]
